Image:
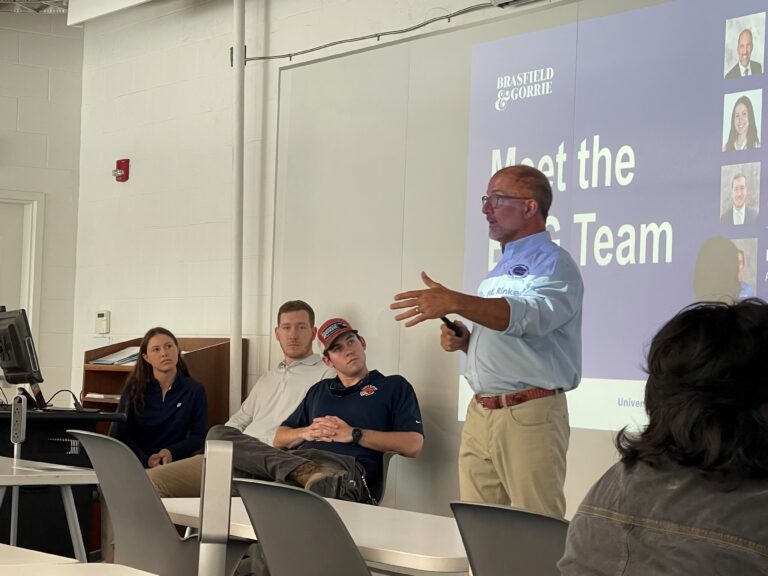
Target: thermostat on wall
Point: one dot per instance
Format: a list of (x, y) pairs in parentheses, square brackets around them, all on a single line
[(102, 322)]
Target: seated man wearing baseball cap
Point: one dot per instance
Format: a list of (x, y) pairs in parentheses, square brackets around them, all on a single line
[(332, 444)]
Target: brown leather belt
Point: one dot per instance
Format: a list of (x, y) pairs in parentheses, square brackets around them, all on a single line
[(496, 401)]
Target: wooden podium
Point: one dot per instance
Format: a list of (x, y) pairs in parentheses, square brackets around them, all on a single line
[(206, 358)]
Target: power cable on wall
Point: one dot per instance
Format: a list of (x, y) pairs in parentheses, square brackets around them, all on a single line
[(378, 35)]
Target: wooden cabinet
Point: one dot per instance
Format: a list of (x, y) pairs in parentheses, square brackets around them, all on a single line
[(207, 359)]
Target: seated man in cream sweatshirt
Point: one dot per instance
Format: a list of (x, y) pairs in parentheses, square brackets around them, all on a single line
[(272, 399)]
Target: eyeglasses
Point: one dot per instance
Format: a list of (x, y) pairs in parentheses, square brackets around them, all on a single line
[(497, 199)]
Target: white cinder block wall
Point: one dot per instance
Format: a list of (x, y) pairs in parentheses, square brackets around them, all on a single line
[(40, 85), (157, 88), (156, 250)]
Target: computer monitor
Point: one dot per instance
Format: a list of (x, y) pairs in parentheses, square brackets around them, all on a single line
[(18, 358)]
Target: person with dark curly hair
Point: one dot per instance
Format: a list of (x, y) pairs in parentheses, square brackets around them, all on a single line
[(690, 493)]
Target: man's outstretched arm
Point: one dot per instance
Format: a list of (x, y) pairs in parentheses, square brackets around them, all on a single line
[(436, 300)]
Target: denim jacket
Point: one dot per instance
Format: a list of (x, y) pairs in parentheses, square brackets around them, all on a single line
[(643, 521)]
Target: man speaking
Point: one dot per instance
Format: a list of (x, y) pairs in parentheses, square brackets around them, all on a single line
[(523, 352)]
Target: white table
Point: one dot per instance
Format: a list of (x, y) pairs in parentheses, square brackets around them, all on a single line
[(28, 473), (75, 569), (15, 561), (394, 539), (16, 555)]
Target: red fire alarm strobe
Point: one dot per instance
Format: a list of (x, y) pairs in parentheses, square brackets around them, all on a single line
[(121, 170)]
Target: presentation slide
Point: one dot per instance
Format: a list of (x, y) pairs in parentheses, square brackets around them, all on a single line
[(649, 125)]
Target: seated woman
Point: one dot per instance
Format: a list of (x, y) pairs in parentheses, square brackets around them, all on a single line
[(691, 491), (167, 409)]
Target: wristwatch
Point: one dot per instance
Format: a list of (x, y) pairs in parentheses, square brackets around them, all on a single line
[(357, 435)]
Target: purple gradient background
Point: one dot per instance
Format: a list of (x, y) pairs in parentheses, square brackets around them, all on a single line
[(652, 79)]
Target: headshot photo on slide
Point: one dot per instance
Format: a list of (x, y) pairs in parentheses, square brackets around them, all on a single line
[(739, 194), (744, 46), (746, 256), (742, 119)]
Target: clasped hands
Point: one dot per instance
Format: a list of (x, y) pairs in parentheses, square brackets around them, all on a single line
[(328, 429), (164, 456)]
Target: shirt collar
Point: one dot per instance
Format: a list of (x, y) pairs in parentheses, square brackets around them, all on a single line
[(335, 385), (310, 360), (526, 241), (154, 382)]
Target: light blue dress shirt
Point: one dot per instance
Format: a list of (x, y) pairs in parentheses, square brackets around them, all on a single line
[(541, 346)]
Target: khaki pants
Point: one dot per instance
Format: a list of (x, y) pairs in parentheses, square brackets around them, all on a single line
[(516, 456), (179, 479)]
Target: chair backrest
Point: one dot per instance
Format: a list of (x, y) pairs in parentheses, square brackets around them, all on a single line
[(379, 489), (145, 537), (215, 505), (299, 533), (503, 540)]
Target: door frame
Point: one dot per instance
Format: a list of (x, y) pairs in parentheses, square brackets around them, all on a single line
[(32, 251)]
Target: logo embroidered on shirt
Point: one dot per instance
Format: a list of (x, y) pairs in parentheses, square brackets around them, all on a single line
[(178, 405), (368, 390), (519, 270)]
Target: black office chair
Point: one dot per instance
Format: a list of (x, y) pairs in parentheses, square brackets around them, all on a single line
[(501, 540)]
